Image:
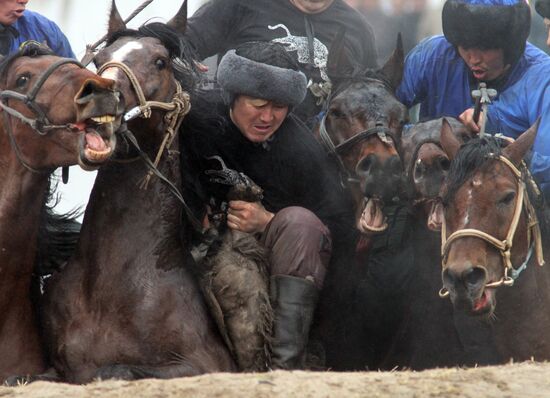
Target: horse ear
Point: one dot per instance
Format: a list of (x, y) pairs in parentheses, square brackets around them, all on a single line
[(339, 63), (393, 69), (179, 22), (517, 150), (116, 23), (449, 142)]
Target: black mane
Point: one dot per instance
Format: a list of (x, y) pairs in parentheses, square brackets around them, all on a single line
[(29, 49), (182, 55)]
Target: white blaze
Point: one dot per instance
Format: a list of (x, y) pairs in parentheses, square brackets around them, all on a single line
[(120, 55)]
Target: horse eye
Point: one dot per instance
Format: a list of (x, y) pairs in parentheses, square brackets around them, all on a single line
[(508, 198), (336, 113), (22, 81), (160, 64)]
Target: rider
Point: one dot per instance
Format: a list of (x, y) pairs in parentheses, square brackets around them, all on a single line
[(306, 28), (543, 8), (484, 41), (18, 25), (304, 210)]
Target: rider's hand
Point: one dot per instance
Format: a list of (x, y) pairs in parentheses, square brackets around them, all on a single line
[(248, 217), (467, 118)]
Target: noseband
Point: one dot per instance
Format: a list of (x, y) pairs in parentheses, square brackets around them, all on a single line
[(40, 123), (504, 247)]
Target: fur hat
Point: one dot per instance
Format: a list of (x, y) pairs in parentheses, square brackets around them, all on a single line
[(488, 24), (543, 8), (240, 75)]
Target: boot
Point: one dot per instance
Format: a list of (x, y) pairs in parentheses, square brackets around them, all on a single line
[(293, 301)]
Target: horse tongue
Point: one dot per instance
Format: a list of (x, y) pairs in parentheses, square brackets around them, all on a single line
[(435, 218), (95, 142), (372, 219)]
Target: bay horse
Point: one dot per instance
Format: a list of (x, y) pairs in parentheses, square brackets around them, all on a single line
[(126, 306), (362, 130), (431, 334), (54, 113), (494, 237)]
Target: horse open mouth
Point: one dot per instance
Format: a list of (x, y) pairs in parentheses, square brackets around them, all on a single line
[(97, 142), (372, 218), (483, 304)]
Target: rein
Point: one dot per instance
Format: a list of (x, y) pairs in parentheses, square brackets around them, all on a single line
[(40, 122), (503, 246), (175, 112)]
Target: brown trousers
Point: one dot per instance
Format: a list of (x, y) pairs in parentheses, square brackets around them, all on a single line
[(300, 245)]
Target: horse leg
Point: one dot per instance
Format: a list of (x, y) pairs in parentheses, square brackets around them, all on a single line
[(136, 372), (49, 375)]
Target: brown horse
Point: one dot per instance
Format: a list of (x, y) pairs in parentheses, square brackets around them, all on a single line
[(126, 306), (362, 130), (493, 245), (54, 113)]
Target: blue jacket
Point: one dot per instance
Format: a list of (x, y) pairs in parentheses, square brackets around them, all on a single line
[(436, 77), (33, 26)]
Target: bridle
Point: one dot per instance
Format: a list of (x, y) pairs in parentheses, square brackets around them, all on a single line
[(383, 132), (175, 110), (504, 246), (40, 123)]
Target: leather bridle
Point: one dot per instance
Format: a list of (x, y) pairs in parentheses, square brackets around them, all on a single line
[(40, 123), (504, 246)]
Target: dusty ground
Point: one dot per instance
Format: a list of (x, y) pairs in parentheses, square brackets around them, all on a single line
[(520, 380)]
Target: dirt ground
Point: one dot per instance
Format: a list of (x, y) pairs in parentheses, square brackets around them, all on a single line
[(518, 380)]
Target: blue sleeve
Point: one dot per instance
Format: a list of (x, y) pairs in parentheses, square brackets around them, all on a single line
[(517, 109), (412, 89), (59, 43)]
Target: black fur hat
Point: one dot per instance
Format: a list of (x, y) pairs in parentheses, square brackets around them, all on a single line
[(488, 24), (543, 8)]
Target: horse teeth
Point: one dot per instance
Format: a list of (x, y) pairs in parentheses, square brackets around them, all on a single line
[(104, 119)]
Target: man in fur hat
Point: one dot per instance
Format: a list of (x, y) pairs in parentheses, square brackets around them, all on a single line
[(484, 41), (543, 8), (304, 207), (306, 29)]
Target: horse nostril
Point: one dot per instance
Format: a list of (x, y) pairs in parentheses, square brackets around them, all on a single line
[(449, 277), (474, 277), (444, 163), (87, 92), (395, 165)]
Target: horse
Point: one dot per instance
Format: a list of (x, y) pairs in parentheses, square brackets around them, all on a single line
[(54, 113), (494, 236), (431, 334), (126, 305), (362, 130)]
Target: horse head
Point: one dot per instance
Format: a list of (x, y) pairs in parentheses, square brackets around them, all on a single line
[(426, 163), (489, 225), (55, 112), (363, 122), (149, 66)]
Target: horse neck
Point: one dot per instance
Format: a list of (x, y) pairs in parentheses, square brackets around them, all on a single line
[(122, 220), (22, 194)]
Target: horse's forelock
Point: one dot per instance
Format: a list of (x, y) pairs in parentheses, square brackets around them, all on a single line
[(471, 157), (29, 50)]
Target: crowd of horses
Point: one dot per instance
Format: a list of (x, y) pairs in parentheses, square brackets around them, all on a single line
[(126, 303)]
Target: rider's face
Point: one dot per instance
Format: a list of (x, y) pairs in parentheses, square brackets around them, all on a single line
[(311, 6), (547, 24), (257, 119), (11, 10), (485, 65)]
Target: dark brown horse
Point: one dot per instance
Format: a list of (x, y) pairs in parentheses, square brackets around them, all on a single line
[(494, 241), (65, 121), (126, 305), (362, 129)]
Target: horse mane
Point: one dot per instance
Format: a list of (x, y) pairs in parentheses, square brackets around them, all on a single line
[(474, 155), (180, 52), (29, 49), (57, 234)]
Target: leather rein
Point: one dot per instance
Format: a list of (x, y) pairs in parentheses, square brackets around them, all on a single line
[(504, 246), (40, 123), (175, 110)]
